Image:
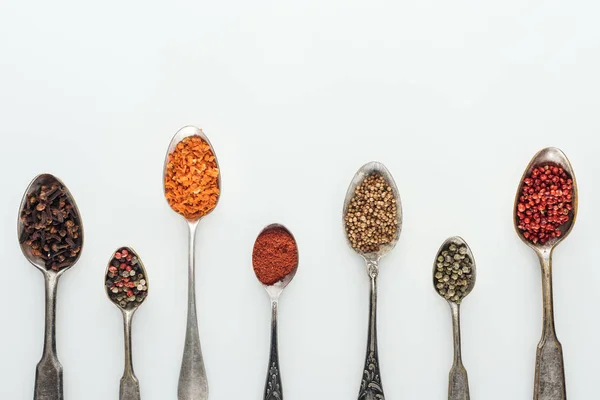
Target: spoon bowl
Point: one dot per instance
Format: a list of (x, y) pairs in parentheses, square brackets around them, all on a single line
[(181, 134), (36, 183), (459, 241), (366, 170), (131, 307), (547, 156), (274, 290)]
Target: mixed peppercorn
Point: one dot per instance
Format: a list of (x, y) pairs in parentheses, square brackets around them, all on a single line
[(126, 282)]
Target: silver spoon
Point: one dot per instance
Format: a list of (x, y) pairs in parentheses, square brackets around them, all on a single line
[(193, 384), (371, 387), (549, 381), (273, 387), (49, 372), (458, 387), (130, 386)]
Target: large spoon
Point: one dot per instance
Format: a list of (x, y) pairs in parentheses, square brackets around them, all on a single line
[(549, 381), (130, 386), (458, 387), (273, 387), (371, 387), (193, 384), (49, 372)]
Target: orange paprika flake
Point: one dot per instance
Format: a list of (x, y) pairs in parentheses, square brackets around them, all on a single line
[(191, 178)]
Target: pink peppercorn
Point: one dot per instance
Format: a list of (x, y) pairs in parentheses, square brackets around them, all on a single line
[(545, 203)]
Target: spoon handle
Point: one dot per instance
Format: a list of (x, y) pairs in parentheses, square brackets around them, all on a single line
[(458, 387), (130, 387), (549, 381), (49, 372), (370, 387), (193, 384), (273, 388)]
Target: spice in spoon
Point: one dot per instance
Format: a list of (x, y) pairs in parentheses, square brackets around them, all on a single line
[(454, 272), (126, 282), (371, 218), (191, 178), (545, 203), (275, 255), (51, 226)]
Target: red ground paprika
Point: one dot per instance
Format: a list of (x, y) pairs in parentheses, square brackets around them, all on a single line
[(275, 255)]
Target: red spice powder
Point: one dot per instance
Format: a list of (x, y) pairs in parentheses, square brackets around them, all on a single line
[(275, 255), (545, 203)]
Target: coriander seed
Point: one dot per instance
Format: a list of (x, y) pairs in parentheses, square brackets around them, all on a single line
[(371, 219)]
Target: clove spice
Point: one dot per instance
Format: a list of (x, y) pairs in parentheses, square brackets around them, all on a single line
[(51, 226)]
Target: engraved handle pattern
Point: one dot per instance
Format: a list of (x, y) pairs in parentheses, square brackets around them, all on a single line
[(273, 387), (370, 387)]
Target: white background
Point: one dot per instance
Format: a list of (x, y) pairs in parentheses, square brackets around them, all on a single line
[(454, 97)]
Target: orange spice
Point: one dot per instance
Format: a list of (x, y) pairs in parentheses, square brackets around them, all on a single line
[(191, 179)]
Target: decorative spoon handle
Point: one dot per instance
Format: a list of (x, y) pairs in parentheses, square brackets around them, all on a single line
[(458, 387), (130, 387), (549, 381), (273, 388), (49, 373), (193, 384), (370, 387)]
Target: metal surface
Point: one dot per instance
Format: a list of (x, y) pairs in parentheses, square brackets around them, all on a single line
[(49, 373), (273, 387), (193, 384), (130, 386), (549, 383), (371, 387), (458, 385)]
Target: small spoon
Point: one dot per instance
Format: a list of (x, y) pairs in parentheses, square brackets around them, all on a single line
[(130, 386), (193, 384), (273, 387), (458, 387), (371, 387), (549, 381), (49, 371)]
